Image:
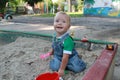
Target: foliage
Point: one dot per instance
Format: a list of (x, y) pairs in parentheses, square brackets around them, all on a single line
[(11, 3), (59, 3), (47, 15), (2, 5), (31, 2), (50, 5), (80, 4), (73, 14), (35, 1)]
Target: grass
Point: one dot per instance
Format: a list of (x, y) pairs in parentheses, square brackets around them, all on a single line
[(72, 14), (76, 14)]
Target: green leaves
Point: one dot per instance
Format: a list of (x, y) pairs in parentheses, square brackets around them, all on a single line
[(2, 5), (33, 1)]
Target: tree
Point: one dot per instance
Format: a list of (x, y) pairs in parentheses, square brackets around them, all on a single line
[(8, 3), (35, 1), (31, 2), (80, 5), (2, 5), (69, 5)]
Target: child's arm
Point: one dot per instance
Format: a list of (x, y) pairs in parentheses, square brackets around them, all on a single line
[(51, 51), (63, 64), (46, 55)]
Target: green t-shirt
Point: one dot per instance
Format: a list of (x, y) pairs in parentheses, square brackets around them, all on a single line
[(68, 45)]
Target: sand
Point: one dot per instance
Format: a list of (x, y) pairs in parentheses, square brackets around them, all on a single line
[(19, 60)]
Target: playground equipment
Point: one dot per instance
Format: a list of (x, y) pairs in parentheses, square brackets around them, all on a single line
[(6, 16), (1, 15), (103, 66)]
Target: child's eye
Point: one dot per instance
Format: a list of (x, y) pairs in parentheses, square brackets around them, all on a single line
[(57, 20), (64, 22)]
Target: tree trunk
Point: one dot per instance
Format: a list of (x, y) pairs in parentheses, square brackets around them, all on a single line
[(69, 5)]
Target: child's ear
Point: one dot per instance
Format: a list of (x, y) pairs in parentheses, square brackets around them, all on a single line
[(69, 25)]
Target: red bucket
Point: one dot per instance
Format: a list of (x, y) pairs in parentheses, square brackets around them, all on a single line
[(48, 76)]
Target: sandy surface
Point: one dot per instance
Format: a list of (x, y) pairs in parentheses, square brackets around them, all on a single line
[(20, 59)]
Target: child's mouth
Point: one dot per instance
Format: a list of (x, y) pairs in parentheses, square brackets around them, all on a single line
[(59, 27)]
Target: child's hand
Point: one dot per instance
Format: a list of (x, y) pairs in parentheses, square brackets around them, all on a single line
[(61, 72), (44, 56)]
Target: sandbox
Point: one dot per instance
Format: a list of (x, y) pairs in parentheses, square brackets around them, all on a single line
[(19, 57)]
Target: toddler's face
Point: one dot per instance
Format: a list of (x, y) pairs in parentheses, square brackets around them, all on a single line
[(61, 23)]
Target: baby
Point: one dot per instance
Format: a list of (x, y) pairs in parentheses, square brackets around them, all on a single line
[(65, 57)]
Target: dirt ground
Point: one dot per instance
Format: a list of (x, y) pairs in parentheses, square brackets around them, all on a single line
[(100, 28)]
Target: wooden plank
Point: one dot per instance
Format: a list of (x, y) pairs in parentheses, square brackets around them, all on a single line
[(99, 69)]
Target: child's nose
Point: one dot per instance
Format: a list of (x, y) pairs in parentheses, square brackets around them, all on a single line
[(59, 22)]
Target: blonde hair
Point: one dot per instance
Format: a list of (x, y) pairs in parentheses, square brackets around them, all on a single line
[(61, 12)]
